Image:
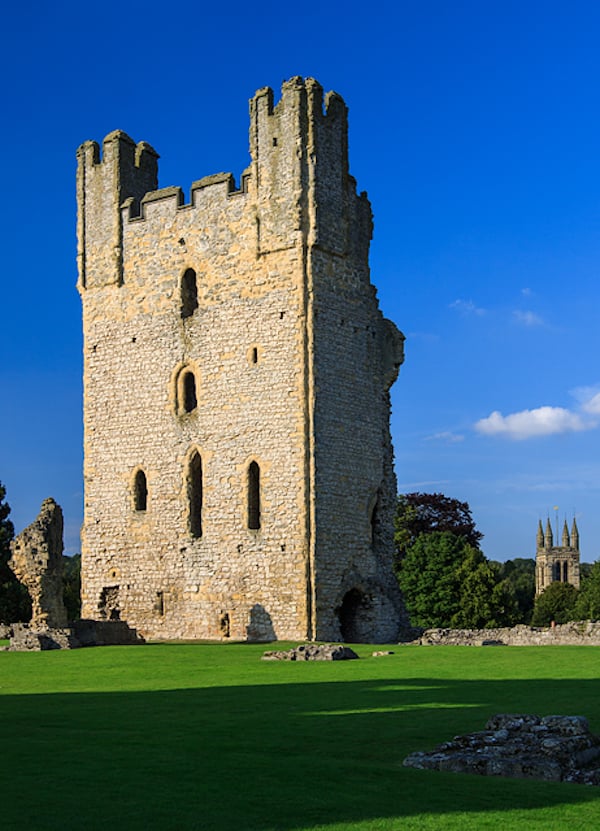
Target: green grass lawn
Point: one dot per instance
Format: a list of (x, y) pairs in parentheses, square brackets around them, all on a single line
[(203, 736)]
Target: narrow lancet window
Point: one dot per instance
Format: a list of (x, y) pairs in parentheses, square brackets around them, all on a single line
[(253, 496), (189, 293), (195, 495), (140, 491), (190, 401)]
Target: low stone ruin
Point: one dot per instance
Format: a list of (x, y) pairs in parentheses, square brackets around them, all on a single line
[(582, 632), (25, 638), (37, 563), (313, 652), (554, 748)]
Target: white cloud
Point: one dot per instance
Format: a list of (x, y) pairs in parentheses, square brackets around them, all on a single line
[(592, 405), (527, 318), (526, 292), (466, 307), (542, 421), (447, 436)]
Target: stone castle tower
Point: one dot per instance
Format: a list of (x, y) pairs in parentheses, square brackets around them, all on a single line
[(554, 563), (238, 462)]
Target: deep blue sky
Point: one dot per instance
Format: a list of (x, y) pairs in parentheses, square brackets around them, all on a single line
[(474, 127)]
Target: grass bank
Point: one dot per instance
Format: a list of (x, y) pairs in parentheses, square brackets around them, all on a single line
[(202, 736)]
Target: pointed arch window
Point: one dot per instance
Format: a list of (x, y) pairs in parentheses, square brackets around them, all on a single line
[(253, 496), (140, 491), (189, 293), (194, 489)]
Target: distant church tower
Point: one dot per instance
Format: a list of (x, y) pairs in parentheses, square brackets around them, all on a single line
[(554, 563)]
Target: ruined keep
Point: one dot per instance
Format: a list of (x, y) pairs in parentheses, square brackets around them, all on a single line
[(238, 461), (556, 563)]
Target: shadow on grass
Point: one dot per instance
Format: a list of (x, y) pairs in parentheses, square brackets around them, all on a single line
[(281, 756)]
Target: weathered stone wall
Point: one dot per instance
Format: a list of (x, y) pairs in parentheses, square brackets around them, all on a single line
[(36, 560), (576, 633), (291, 361)]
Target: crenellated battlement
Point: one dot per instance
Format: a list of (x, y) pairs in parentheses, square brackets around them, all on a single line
[(298, 182), (173, 199), (118, 147)]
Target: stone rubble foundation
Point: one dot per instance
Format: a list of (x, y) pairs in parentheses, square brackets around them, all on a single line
[(574, 633), (553, 748), (312, 652), (26, 638)]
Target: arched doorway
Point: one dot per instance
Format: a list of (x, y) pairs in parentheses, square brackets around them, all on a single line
[(351, 616)]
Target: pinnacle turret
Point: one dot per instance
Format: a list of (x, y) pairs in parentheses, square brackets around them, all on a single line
[(548, 538), (565, 536), (540, 535), (575, 535)]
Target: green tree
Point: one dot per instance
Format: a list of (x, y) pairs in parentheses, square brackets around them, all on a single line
[(72, 586), (15, 603), (485, 599), (588, 602), (429, 580), (448, 582), (556, 603), (520, 573), (7, 532), (424, 513)]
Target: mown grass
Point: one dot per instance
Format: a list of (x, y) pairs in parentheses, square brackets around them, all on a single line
[(204, 736)]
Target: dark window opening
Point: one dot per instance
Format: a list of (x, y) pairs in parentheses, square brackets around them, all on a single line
[(140, 491), (253, 496), (565, 572), (108, 604), (556, 572), (195, 495), (224, 625), (254, 355), (189, 293), (376, 522), (160, 603), (190, 401)]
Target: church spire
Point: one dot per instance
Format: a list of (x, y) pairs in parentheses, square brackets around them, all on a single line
[(575, 535), (540, 535), (548, 538)]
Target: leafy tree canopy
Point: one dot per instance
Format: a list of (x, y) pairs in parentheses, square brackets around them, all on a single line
[(520, 573), (15, 603), (588, 602), (556, 603), (7, 532), (425, 513), (72, 586), (448, 582)]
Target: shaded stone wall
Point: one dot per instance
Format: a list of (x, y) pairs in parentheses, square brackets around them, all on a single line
[(290, 361)]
